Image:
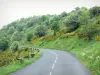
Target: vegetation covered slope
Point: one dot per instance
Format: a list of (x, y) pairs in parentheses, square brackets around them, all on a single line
[(77, 31), (85, 22)]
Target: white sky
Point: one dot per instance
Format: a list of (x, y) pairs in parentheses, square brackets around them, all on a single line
[(11, 10)]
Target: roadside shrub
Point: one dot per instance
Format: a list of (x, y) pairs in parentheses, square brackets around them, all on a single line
[(97, 38), (26, 54), (6, 57)]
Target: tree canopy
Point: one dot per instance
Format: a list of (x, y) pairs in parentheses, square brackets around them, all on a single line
[(80, 20)]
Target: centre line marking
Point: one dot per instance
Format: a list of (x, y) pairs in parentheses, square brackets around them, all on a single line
[(53, 66), (56, 58), (50, 73), (55, 61)]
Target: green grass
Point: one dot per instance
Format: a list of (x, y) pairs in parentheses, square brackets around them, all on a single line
[(5, 70), (87, 51)]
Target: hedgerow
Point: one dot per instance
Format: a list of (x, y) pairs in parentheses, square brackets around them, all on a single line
[(8, 57)]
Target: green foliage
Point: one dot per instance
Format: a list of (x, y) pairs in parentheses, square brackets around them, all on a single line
[(84, 17), (29, 36), (13, 64), (95, 11), (40, 25), (17, 36), (3, 43), (14, 46), (41, 31), (63, 14), (20, 27), (55, 27), (72, 23), (30, 24), (9, 57), (11, 30)]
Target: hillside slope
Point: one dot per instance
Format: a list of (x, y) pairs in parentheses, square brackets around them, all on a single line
[(77, 31)]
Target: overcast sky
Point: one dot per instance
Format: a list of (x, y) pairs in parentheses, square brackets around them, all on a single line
[(11, 10)]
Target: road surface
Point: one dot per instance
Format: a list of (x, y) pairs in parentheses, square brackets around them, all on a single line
[(54, 62)]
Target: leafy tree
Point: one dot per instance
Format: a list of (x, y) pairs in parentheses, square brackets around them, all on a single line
[(63, 14), (55, 27), (14, 46), (72, 23), (43, 18), (3, 43), (77, 8), (41, 31), (17, 36), (30, 24), (29, 36), (83, 18), (14, 24), (11, 30), (20, 27), (87, 29), (95, 11)]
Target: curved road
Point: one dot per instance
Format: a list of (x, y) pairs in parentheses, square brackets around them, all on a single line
[(55, 62)]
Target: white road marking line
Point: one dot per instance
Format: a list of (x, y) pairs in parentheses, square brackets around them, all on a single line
[(53, 66), (55, 61), (56, 58), (50, 73)]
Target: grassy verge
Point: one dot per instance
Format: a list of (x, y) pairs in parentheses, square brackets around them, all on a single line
[(5, 70), (87, 51)]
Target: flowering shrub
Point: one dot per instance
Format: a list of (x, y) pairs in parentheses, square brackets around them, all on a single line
[(97, 38), (8, 57)]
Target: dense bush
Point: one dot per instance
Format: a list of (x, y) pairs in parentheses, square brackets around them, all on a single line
[(14, 46), (17, 36), (3, 43), (11, 30), (40, 25), (41, 31), (8, 57), (72, 23), (95, 11), (29, 36), (55, 27)]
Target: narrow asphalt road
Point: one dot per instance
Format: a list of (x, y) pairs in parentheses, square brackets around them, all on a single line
[(55, 62)]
